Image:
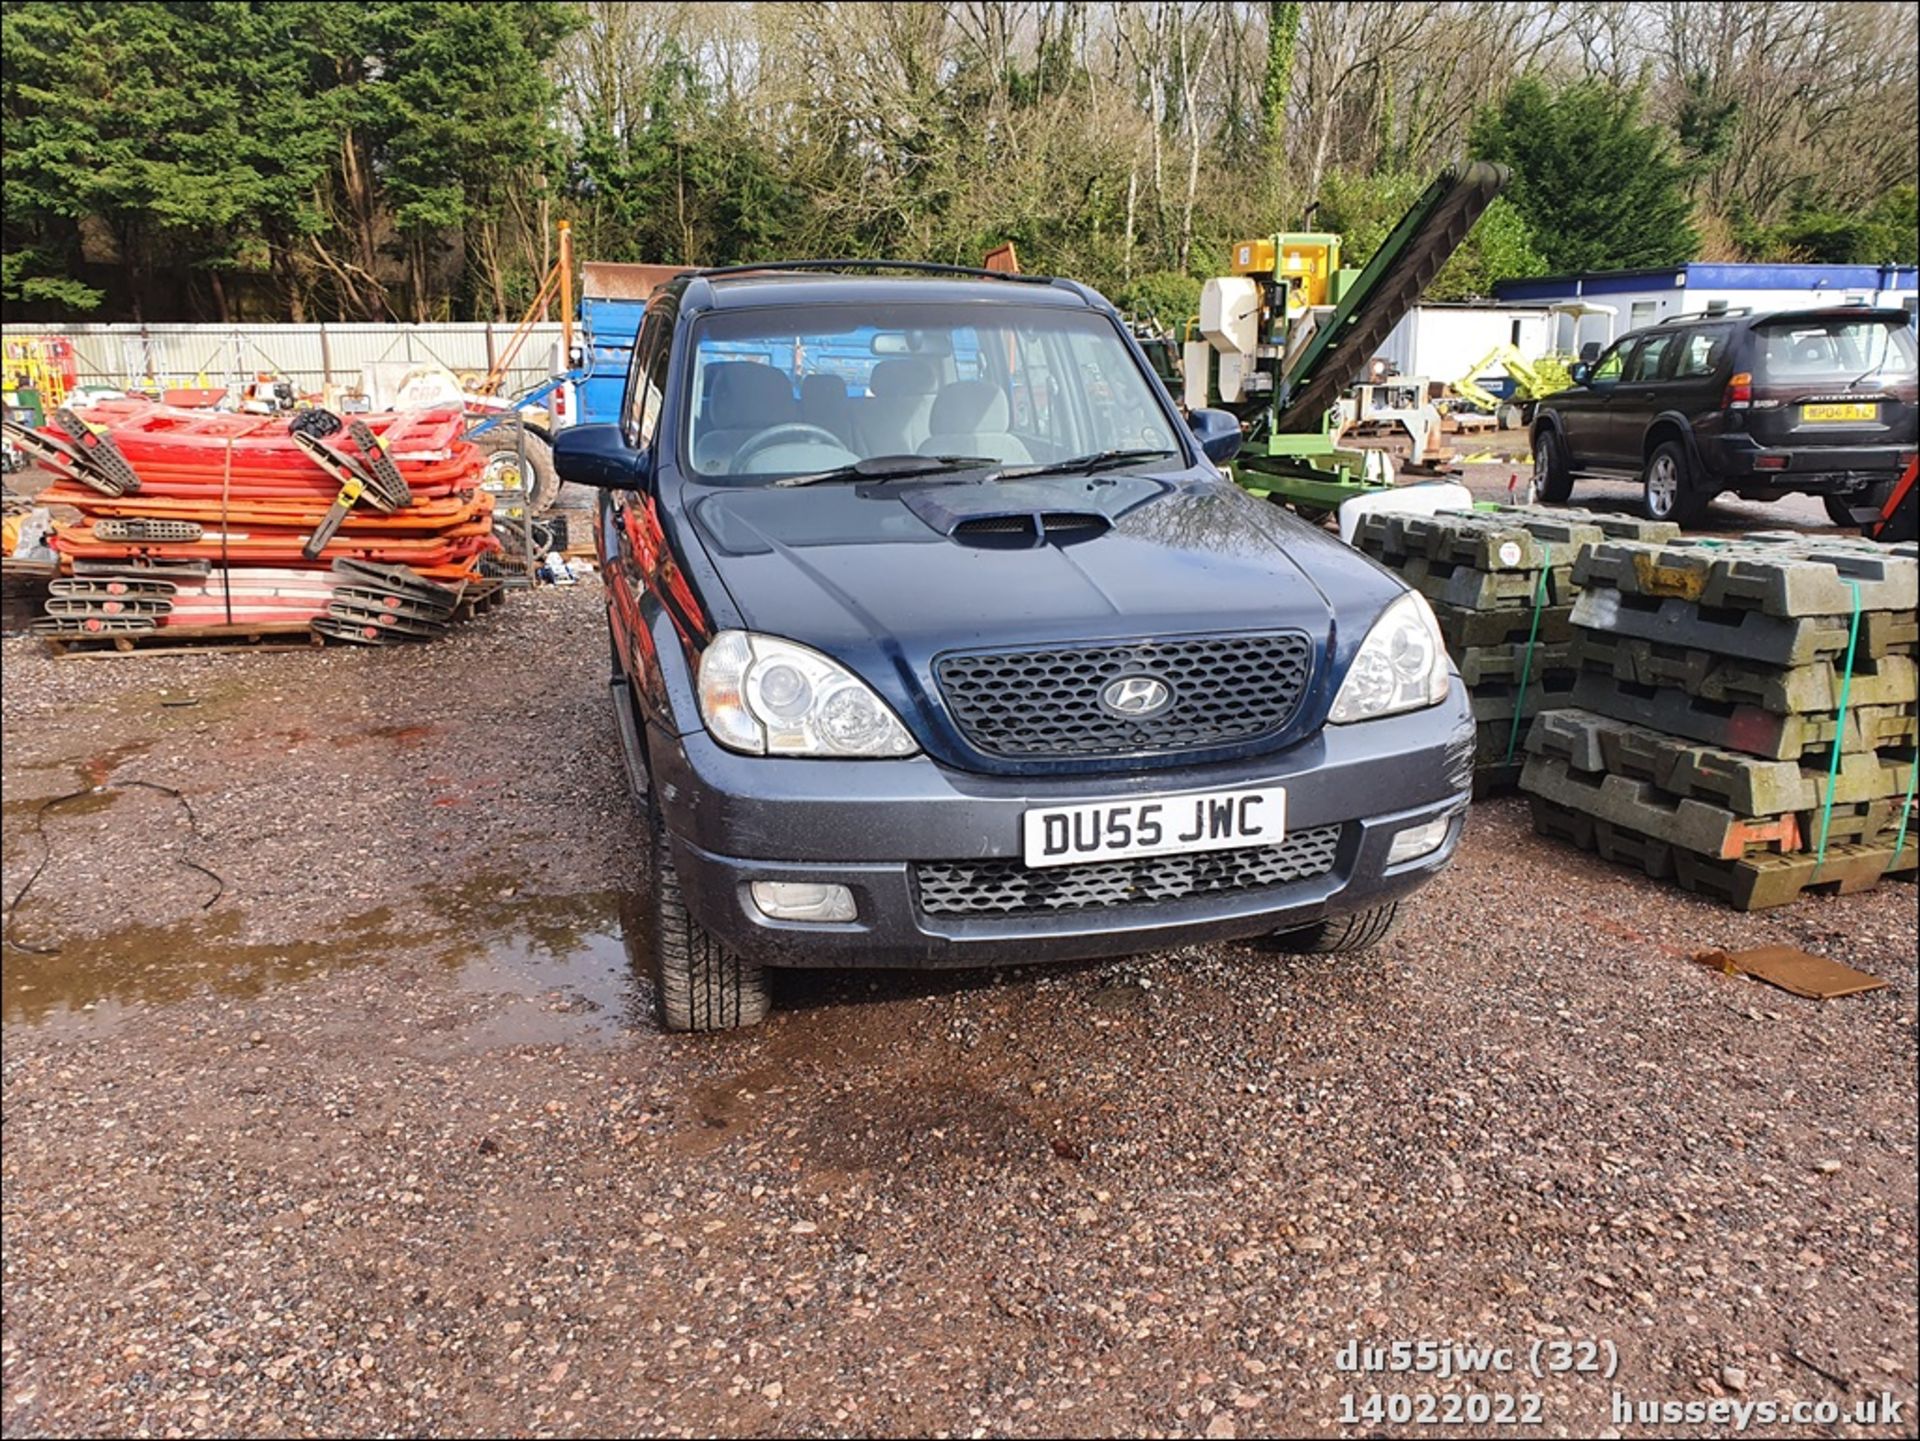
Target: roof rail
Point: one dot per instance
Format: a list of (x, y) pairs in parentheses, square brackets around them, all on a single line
[(1714, 311), (926, 267)]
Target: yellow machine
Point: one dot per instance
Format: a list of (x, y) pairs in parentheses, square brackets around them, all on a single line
[(1263, 308), (38, 372), (1536, 376), (1531, 380), (1303, 264), (1287, 331)]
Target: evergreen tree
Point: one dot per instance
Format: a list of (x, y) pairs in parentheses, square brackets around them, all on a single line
[(1593, 180)]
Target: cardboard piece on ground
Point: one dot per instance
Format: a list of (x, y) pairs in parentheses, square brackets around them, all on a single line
[(1793, 970)]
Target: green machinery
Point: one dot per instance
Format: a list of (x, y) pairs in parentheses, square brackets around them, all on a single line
[(1287, 332)]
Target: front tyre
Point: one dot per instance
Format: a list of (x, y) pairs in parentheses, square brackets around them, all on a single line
[(698, 984), (1341, 935), (1552, 479)]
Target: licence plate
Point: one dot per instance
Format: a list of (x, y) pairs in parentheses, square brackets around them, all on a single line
[(1154, 826), (1840, 413)]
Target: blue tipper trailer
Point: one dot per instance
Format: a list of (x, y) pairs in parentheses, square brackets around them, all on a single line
[(589, 379), (613, 297)]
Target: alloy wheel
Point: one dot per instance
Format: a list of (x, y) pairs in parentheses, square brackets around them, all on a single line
[(1663, 485)]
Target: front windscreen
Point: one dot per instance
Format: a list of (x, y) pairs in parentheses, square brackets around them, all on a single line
[(791, 390), (1836, 349)]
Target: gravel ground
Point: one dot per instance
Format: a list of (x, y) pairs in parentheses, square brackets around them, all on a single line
[(355, 1123)]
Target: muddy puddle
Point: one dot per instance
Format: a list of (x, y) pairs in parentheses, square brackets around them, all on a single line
[(557, 969)]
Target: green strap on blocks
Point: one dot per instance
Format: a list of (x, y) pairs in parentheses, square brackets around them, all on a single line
[(1846, 698), (1533, 638)]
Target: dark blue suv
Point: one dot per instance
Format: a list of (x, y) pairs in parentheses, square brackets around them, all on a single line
[(939, 640)]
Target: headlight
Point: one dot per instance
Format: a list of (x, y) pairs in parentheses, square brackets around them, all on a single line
[(1401, 665), (764, 696)]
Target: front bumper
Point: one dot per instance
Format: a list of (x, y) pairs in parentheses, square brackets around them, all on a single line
[(1816, 470), (734, 820)]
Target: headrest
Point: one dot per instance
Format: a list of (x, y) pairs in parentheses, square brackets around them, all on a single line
[(969, 407), (747, 395), (901, 377), (822, 389)]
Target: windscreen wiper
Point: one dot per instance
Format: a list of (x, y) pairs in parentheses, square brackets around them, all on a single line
[(890, 467), (1082, 464)]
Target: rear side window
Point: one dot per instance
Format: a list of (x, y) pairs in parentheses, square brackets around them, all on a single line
[(646, 388), (1839, 350), (1644, 364), (1700, 353)]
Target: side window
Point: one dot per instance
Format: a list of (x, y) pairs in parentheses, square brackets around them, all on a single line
[(647, 381), (1644, 364), (1607, 367), (1700, 354)]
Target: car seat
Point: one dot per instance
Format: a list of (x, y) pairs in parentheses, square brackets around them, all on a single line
[(824, 402), (746, 398), (970, 417), (894, 418)]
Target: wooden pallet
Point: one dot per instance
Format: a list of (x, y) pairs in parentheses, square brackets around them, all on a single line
[(178, 639), (1749, 884), (1496, 778), (23, 591), (479, 596)]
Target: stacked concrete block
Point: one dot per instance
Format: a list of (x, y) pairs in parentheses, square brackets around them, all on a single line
[(1717, 735), (1501, 582)]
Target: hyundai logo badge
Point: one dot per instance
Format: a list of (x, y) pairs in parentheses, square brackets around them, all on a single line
[(1135, 697)]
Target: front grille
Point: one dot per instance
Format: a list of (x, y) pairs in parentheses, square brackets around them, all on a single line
[(1045, 704), (1009, 888)]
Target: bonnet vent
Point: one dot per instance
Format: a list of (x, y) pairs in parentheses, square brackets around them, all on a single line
[(1030, 528)]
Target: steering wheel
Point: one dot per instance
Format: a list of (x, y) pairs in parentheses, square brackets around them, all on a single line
[(783, 435)]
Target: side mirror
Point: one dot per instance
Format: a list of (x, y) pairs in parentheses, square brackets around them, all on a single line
[(1218, 432), (1580, 372), (599, 456)]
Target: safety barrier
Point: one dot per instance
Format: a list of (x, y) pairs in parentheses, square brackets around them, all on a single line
[(310, 356)]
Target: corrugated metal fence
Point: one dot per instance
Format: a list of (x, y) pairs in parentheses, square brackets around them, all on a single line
[(308, 355)]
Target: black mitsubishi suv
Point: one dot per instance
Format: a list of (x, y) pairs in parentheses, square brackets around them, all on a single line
[(939, 640), (1819, 401)]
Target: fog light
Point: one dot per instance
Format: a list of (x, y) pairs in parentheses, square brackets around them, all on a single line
[(803, 901), (1420, 840), (1770, 462)]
